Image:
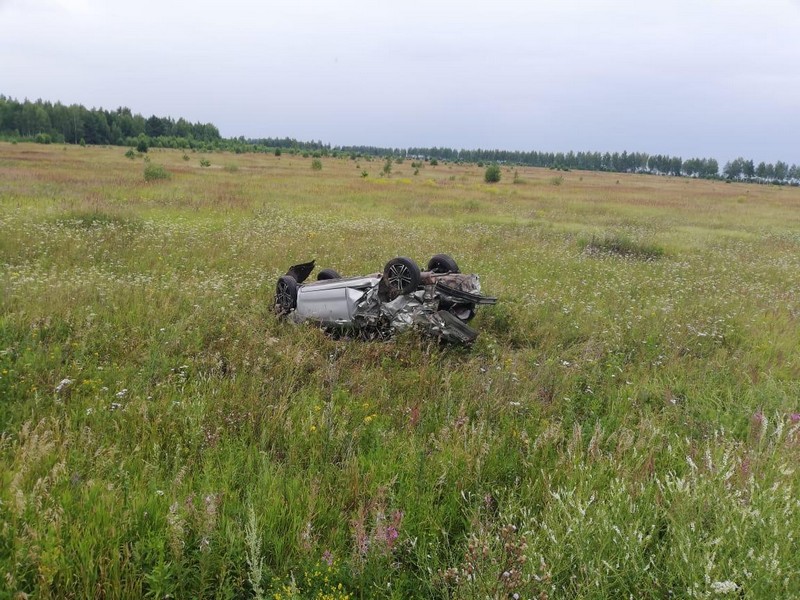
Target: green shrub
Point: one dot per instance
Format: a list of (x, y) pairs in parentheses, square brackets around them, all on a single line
[(43, 138), (153, 172), (130, 154), (277, 151), (387, 167), (492, 174), (316, 165), (434, 162), (204, 162), (142, 145)]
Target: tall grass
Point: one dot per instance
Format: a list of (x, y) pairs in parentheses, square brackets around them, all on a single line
[(621, 427)]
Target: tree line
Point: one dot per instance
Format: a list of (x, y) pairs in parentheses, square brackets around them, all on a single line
[(616, 162), (47, 122), (746, 170)]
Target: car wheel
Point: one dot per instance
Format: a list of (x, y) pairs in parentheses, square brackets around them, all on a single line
[(402, 275), (286, 295), (442, 263), (326, 274)]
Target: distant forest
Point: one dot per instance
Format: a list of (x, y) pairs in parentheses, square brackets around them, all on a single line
[(46, 122)]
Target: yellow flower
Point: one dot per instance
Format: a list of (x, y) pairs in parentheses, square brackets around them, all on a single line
[(313, 428)]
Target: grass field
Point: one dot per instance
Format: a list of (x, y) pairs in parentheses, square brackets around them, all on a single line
[(627, 424)]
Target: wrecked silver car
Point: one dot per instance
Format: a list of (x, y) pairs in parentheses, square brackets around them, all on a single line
[(439, 301)]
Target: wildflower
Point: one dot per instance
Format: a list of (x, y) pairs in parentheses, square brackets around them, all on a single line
[(391, 535), (758, 425), (327, 558), (122, 393), (794, 417), (63, 385), (724, 587)]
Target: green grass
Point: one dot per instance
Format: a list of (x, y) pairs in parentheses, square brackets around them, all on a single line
[(621, 427), (621, 245)]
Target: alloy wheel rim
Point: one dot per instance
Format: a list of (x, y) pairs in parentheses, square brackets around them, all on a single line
[(399, 276)]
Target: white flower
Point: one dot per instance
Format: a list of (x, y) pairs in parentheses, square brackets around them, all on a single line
[(122, 393), (63, 384), (724, 587)]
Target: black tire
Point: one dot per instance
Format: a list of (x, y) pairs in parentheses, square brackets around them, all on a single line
[(286, 295), (402, 275), (443, 263), (326, 274)]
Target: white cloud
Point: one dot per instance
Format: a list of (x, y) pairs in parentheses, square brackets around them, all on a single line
[(660, 77)]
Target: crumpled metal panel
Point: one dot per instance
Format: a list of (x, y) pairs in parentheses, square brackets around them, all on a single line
[(459, 281), (418, 309), (361, 304)]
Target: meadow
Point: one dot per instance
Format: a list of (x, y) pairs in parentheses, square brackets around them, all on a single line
[(626, 425)]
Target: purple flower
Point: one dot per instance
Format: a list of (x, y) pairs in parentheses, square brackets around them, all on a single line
[(794, 417), (391, 536), (327, 558)]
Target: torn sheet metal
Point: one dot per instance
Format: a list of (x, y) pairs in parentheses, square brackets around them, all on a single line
[(440, 306)]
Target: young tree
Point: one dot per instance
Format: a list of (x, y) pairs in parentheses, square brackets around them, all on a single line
[(492, 174)]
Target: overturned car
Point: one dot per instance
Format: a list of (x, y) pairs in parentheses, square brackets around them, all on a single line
[(440, 301)]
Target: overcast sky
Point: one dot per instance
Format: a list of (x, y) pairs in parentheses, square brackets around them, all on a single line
[(708, 78)]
